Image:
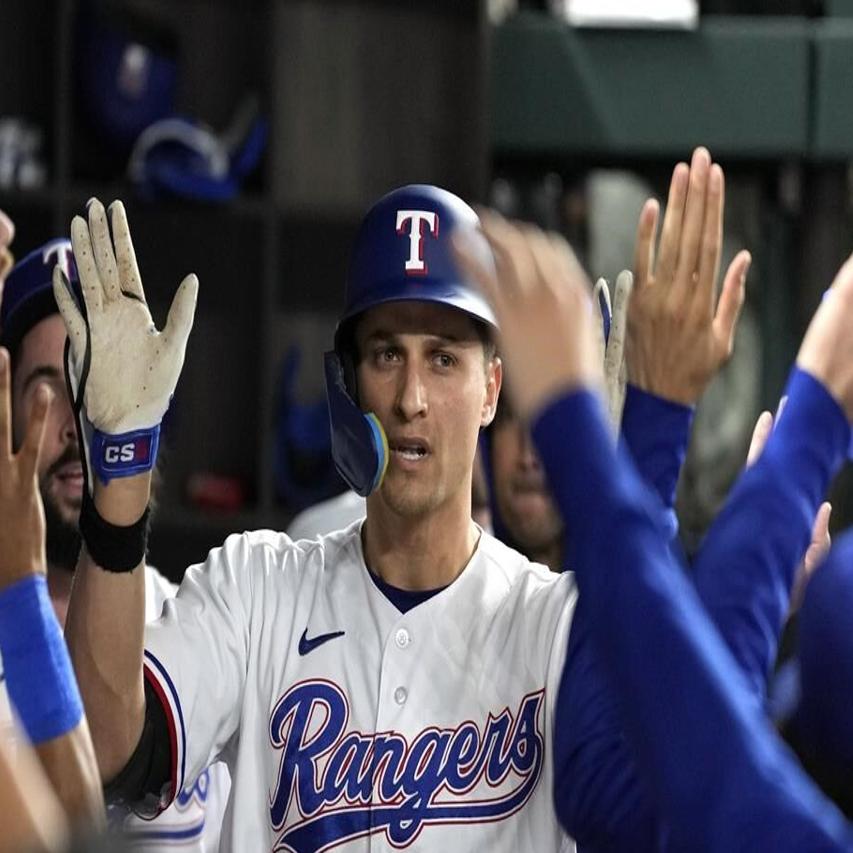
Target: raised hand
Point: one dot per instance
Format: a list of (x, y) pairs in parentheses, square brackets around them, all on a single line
[(679, 334), (541, 299), (134, 368), (21, 512)]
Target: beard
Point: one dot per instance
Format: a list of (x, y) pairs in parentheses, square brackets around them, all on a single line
[(62, 535)]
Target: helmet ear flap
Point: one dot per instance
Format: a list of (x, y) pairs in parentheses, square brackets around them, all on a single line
[(345, 347), (359, 445)]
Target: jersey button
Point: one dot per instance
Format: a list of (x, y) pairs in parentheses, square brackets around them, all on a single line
[(400, 695), (402, 638)]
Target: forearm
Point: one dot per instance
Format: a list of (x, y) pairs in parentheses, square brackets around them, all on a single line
[(70, 766), (105, 634), (745, 568), (32, 816)]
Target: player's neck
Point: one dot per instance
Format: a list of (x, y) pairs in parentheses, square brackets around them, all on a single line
[(418, 553), (59, 587)]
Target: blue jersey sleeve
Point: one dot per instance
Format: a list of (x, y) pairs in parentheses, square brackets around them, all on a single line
[(745, 568), (597, 793), (656, 432), (713, 766)]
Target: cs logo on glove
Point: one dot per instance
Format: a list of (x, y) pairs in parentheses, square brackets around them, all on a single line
[(124, 453)]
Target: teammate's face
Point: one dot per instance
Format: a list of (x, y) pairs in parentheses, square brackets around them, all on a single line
[(40, 362), (521, 493), (423, 371)]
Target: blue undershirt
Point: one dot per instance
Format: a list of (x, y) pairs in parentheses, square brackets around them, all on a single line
[(403, 599)]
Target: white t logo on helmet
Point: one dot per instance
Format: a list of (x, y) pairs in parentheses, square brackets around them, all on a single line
[(62, 254), (416, 265)]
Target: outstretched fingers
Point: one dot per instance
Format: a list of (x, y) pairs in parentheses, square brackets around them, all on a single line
[(90, 282), (476, 269), (673, 218), (75, 325), (102, 249), (28, 455), (712, 243), (621, 299), (181, 314), (644, 252), (731, 301), (128, 270), (694, 218), (760, 434)]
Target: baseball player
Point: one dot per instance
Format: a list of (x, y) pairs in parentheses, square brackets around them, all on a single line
[(358, 697), (716, 768), (34, 334)]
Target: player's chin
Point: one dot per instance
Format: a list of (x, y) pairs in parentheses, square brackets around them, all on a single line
[(408, 499)]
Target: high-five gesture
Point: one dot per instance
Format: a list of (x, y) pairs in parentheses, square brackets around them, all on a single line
[(132, 367), (22, 527), (679, 334)]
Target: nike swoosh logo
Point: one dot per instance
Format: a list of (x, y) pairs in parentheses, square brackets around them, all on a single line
[(306, 645)]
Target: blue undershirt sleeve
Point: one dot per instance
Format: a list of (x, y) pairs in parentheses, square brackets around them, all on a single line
[(655, 432), (744, 570)]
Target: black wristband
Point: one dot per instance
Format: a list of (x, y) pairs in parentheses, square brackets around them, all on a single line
[(114, 548)]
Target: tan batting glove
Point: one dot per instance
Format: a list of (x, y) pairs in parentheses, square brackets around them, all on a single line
[(613, 315), (124, 368)]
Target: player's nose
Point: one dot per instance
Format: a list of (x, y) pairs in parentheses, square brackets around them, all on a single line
[(528, 459), (61, 405), (411, 399)]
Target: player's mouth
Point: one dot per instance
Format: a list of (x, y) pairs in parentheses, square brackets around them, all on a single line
[(69, 479), (410, 451), (529, 486)]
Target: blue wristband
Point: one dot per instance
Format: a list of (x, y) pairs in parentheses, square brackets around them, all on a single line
[(126, 454), (39, 678)]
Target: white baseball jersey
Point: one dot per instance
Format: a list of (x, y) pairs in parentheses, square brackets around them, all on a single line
[(327, 516), (193, 821), (348, 726)]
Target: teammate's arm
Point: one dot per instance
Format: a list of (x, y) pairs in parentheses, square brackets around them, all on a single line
[(37, 671), (32, 816), (678, 339)]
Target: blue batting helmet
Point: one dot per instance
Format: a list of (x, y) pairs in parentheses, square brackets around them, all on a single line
[(28, 294), (403, 252)]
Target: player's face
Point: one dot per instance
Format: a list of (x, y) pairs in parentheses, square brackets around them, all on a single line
[(521, 493), (40, 362), (423, 371)]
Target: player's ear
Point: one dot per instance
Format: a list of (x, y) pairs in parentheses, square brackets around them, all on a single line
[(494, 378)]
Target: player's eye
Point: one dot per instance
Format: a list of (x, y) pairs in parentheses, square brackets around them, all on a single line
[(444, 360), (386, 355)]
